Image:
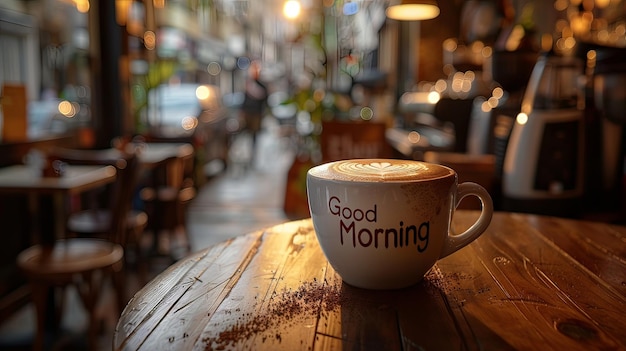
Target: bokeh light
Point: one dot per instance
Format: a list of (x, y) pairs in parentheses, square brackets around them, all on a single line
[(291, 9)]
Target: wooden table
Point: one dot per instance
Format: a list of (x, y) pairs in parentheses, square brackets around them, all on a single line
[(528, 283), (161, 163), (46, 195), (169, 155), (154, 154)]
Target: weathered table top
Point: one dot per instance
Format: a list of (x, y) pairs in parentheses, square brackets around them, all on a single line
[(528, 283)]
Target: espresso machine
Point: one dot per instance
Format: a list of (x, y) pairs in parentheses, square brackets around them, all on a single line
[(543, 169)]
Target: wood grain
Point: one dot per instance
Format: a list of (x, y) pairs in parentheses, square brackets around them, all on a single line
[(528, 283)]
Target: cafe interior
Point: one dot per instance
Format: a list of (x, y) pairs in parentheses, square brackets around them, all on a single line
[(139, 106)]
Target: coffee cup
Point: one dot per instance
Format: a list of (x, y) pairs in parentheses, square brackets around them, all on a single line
[(383, 223)]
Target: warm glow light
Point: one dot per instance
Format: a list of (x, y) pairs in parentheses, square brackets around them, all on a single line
[(561, 5), (546, 42), (570, 43), (203, 92), (82, 5), (411, 10), (441, 85), (498, 93), (493, 102), (522, 118), (208, 96), (414, 137), (214, 68), (591, 55), (487, 51), (603, 35), (366, 113), (291, 9), (526, 107), (66, 108), (121, 11), (450, 45), (514, 40), (477, 47), (433, 97), (189, 123), (149, 40), (485, 107), (591, 59), (319, 94)]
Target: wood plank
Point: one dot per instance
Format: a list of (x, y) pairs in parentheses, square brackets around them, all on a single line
[(183, 290), (356, 319), (520, 278), (590, 243), (271, 290)]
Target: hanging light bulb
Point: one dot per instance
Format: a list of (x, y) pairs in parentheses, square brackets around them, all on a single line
[(413, 10)]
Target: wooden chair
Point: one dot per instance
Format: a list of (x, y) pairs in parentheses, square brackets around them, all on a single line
[(82, 262), (167, 197), (94, 220)]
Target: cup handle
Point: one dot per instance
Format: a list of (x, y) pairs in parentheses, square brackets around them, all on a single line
[(457, 241)]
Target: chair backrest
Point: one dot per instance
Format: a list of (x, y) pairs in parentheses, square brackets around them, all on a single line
[(120, 197), (122, 201), (345, 140)]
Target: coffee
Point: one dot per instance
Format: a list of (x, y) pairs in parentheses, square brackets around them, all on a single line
[(367, 170), (382, 224)]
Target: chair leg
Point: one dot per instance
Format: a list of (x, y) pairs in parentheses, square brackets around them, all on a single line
[(40, 294), (88, 289), (142, 264), (57, 296), (118, 280)]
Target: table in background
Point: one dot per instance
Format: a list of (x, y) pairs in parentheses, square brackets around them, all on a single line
[(154, 154), (166, 168), (47, 195), (528, 283), (161, 155)]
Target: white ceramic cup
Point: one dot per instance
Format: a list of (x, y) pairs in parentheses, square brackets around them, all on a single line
[(383, 223)]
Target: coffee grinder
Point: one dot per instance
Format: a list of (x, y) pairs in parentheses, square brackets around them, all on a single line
[(543, 169)]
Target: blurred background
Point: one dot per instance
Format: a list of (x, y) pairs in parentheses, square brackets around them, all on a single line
[(526, 97), (104, 69)]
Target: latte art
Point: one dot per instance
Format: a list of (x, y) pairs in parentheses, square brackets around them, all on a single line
[(383, 170), (380, 170)]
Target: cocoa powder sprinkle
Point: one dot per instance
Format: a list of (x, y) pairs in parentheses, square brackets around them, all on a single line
[(310, 299)]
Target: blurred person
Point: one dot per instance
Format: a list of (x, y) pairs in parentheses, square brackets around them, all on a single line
[(254, 102)]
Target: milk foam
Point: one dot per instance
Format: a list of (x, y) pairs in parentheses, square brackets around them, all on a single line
[(380, 170)]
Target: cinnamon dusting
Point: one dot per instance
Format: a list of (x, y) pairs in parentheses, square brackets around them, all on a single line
[(310, 299)]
